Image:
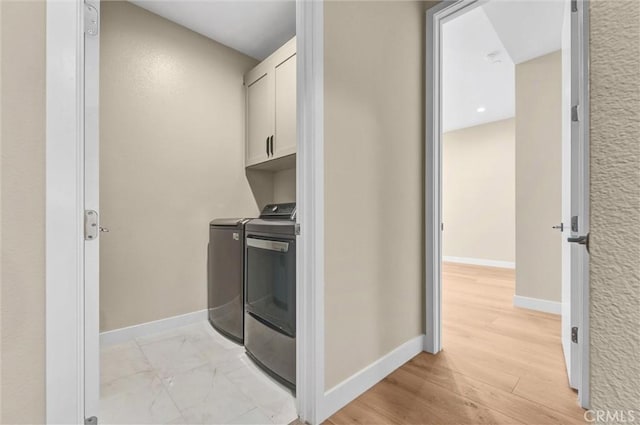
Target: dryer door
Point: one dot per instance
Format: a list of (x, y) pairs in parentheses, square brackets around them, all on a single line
[(271, 281)]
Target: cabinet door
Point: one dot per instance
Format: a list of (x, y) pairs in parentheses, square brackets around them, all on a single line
[(285, 104), (259, 120)]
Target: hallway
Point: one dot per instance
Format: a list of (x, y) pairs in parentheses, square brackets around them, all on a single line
[(500, 364)]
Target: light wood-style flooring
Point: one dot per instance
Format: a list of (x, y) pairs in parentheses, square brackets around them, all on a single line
[(499, 365)]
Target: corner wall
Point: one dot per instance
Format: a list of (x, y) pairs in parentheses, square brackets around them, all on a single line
[(539, 177), (479, 192), (374, 181), (172, 159), (284, 186), (22, 168)]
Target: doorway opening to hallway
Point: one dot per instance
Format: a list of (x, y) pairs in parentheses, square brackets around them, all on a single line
[(506, 163)]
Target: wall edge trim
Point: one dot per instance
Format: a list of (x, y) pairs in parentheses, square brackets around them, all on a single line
[(538, 304), (349, 389), (480, 262), (117, 336)]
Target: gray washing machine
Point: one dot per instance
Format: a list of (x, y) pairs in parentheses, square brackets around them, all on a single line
[(225, 276)]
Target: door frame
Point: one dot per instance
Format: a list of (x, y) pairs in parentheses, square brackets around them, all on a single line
[(436, 16), (310, 209), (64, 299), (65, 204)]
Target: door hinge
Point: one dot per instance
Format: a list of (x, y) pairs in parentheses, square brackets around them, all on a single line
[(297, 228), (575, 113), (574, 5), (93, 420), (574, 334), (90, 20), (90, 225)]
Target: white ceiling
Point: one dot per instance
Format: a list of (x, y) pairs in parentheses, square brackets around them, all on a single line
[(528, 29), (470, 80), (254, 27), (512, 31)]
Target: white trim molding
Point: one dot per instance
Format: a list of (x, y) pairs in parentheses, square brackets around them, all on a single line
[(537, 304), (480, 262), (310, 202), (580, 290), (349, 389), (64, 245), (436, 16), (128, 333)]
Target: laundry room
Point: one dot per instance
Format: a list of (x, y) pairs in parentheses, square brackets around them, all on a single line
[(197, 233)]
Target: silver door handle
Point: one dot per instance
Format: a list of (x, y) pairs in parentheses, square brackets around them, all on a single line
[(268, 245)]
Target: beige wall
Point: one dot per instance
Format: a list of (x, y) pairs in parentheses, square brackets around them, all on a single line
[(172, 135), (22, 86), (284, 185), (374, 147), (539, 177), (479, 179), (615, 204)]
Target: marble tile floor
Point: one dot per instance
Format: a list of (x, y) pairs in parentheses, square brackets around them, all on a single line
[(188, 375)]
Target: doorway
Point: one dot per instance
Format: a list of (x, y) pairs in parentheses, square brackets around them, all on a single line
[(72, 335), (474, 275), (173, 110)]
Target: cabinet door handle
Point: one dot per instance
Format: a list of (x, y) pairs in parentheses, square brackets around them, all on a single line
[(267, 144), (271, 145)]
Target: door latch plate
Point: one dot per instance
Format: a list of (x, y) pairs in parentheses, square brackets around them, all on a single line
[(90, 20), (90, 225)]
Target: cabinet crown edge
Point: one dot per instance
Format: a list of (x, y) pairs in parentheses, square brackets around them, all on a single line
[(283, 53)]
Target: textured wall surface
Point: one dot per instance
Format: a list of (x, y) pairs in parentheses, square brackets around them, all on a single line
[(479, 192), (374, 150), (615, 204), (539, 177), (171, 159), (22, 80)]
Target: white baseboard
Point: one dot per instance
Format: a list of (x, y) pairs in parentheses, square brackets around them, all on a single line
[(117, 336), (348, 390), (537, 304), (480, 262)]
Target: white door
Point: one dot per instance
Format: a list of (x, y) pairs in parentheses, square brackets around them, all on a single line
[(92, 210), (574, 197)]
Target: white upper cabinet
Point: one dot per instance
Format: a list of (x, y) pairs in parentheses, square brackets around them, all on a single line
[(285, 107), (259, 124), (271, 107)]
